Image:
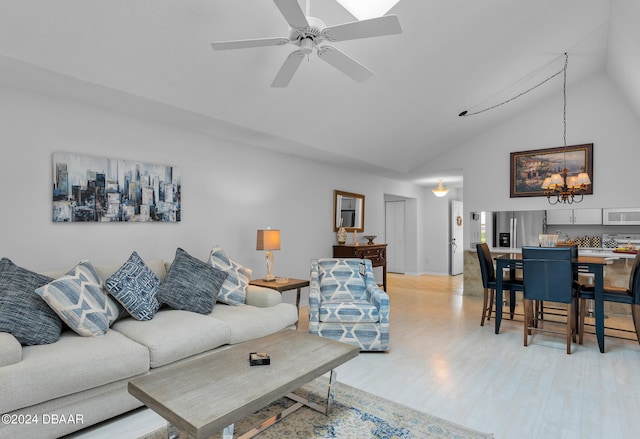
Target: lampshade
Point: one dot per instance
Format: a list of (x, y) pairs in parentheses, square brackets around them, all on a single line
[(268, 240), (572, 182), (583, 178), (546, 183), (556, 180), (440, 191)]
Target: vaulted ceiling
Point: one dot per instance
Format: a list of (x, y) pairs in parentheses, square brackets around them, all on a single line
[(452, 55)]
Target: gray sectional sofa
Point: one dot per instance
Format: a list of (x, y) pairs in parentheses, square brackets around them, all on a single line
[(54, 389)]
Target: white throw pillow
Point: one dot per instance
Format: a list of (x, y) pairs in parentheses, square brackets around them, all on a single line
[(234, 288)]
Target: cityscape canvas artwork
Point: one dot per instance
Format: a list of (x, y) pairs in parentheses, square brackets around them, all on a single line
[(97, 189)]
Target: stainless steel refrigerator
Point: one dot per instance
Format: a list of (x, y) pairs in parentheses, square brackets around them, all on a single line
[(514, 229)]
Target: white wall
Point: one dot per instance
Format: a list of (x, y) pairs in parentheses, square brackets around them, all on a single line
[(596, 113), (229, 191)]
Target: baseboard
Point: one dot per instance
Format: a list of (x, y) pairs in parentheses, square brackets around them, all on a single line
[(412, 273)]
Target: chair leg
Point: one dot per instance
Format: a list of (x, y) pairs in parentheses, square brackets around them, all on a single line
[(487, 305), (492, 295), (576, 315), (635, 313), (484, 306), (512, 303), (569, 326), (526, 305), (582, 311)]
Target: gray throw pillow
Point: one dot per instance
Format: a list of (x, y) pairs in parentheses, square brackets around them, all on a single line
[(190, 284), (134, 285), (22, 312)]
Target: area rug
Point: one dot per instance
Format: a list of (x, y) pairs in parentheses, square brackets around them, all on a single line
[(355, 414)]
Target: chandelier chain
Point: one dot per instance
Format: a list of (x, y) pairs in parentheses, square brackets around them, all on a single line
[(564, 92)]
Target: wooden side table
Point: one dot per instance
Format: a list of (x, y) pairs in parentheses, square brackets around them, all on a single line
[(291, 284)]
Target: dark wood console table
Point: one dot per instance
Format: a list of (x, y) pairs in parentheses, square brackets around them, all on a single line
[(376, 253)]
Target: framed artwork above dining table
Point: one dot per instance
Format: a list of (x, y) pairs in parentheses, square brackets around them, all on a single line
[(530, 168)]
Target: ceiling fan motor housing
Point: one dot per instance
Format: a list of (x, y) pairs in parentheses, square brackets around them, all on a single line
[(312, 33)]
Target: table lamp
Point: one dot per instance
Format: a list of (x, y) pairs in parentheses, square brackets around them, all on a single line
[(268, 240)]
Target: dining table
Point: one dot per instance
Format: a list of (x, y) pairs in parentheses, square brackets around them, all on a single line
[(511, 262)]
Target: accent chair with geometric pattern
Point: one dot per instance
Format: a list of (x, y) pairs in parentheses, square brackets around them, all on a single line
[(346, 304)]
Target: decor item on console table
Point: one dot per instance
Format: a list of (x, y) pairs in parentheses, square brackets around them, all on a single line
[(377, 253), (342, 235), (370, 239)]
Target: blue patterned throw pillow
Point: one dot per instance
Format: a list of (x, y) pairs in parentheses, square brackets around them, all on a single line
[(234, 288), (191, 284), (23, 313), (80, 301), (135, 286)]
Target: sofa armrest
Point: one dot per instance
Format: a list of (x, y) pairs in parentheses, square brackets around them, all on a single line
[(262, 297), (10, 349)]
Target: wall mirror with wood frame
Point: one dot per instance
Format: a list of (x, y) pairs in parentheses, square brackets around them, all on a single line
[(348, 211)]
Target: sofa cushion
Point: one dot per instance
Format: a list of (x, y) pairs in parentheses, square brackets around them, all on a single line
[(341, 311), (10, 349), (70, 365), (342, 279), (173, 335), (135, 286), (80, 301), (262, 297), (249, 322), (190, 284), (22, 312), (234, 287)]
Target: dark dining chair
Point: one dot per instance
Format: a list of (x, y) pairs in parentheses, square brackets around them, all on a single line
[(549, 280), (630, 295), (489, 283), (567, 252)]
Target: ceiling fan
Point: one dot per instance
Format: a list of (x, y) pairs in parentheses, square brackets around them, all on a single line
[(309, 33)]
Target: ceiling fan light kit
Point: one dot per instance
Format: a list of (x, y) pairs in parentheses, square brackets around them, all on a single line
[(309, 33)]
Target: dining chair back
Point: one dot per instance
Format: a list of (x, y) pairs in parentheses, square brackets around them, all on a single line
[(564, 252), (630, 295), (488, 274), (569, 252), (549, 280)]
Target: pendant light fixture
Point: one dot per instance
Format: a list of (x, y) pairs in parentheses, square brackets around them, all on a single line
[(440, 191), (562, 187)]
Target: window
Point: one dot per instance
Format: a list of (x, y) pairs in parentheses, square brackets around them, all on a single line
[(362, 9)]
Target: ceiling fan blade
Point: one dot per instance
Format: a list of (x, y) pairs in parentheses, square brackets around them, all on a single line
[(344, 63), (288, 69), (374, 27), (244, 44), (292, 12)]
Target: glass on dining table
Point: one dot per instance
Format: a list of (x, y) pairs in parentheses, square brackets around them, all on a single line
[(546, 240)]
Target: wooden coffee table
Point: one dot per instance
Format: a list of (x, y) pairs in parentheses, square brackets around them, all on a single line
[(209, 394)]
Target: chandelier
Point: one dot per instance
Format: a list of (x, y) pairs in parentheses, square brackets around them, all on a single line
[(440, 191), (562, 187)]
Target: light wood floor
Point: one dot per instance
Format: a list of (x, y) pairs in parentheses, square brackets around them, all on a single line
[(444, 363)]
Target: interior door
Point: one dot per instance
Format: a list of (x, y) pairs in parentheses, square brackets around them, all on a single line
[(395, 232), (455, 239)]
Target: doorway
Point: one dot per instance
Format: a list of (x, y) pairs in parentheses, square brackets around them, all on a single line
[(456, 238), (395, 233)]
